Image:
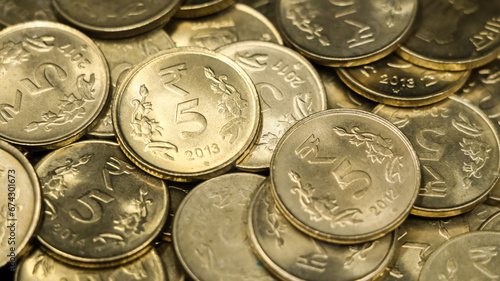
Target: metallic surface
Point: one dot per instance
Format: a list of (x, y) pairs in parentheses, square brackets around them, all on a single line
[(18, 11), (199, 8)]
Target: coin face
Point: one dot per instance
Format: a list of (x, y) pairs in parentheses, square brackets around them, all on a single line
[(493, 223), (454, 35), (479, 215), (186, 114), (18, 11), (171, 264), (238, 23), (370, 176), (199, 8), (289, 89), (396, 82), (292, 255), (116, 19), (345, 32), (20, 204), (210, 230), (98, 206), (458, 150)]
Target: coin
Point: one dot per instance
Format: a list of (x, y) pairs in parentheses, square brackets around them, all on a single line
[(479, 215), (55, 82), (173, 268), (20, 204), (122, 55), (116, 19), (458, 148), (98, 206), (493, 223), (238, 23), (18, 11), (470, 256), (345, 32), (176, 195), (454, 35), (369, 176), (210, 230), (186, 114), (289, 89), (199, 8), (396, 82), (265, 7), (292, 255)]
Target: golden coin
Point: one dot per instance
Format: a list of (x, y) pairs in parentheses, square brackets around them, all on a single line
[(238, 23), (345, 32), (116, 19), (265, 7), (454, 35), (20, 204), (493, 223), (98, 206), (199, 8), (210, 235), (458, 148), (186, 114), (345, 176), (396, 82), (289, 89), (55, 82), (173, 268), (18, 11), (479, 215), (292, 255), (470, 256), (122, 55), (176, 195)]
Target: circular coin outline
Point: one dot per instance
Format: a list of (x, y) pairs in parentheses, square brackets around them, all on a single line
[(203, 9)]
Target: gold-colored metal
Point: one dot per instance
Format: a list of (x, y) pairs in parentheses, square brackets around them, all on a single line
[(200, 8), (19, 11), (265, 7), (98, 207), (493, 223), (345, 176), (479, 215), (186, 114), (173, 268), (176, 195), (458, 148), (55, 83)]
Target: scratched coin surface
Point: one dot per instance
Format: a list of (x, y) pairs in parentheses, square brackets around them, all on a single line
[(18, 11), (20, 204), (238, 23), (396, 82), (55, 82), (471, 256), (345, 32), (293, 255), (210, 235), (199, 8), (454, 35), (122, 55), (289, 89), (98, 206), (116, 19), (369, 179), (186, 114), (458, 148)]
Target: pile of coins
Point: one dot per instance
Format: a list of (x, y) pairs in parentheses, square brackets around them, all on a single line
[(182, 140)]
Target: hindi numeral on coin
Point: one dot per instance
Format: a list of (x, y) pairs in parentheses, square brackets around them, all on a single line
[(184, 115), (90, 202), (45, 77)]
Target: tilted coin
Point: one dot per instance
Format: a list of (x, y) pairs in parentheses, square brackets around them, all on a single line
[(116, 19), (471, 256), (454, 35), (55, 82), (210, 235), (171, 264), (396, 82), (176, 195), (479, 215), (292, 255), (289, 89), (265, 7), (199, 8), (345, 32), (493, 223), (369, 179), (18, 11), (122, 55), (98, 206), (186, 114), (20, 204), (238, 23), (458, 148)]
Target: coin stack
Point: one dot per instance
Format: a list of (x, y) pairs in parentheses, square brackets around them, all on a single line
[(250, 140)]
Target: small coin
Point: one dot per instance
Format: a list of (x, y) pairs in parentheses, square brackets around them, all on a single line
[(176, 195), (370, 176), (458, 148), (55, 82), (470, 256), (186, 114), (345, 32), (493, 223), (479, 215), (116, 19), (292, 255), (199, 8), (98, 206), (18, 11), (173, 268), (454, 35), (20, 204), (238, 23), (396, 82), (289, 89), (210, 230)]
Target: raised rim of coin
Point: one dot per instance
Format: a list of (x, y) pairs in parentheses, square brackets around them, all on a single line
[(203, 9), (495, 218)]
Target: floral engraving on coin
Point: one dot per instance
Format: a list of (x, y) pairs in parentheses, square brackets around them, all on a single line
[(358, 252), (13, 53), (276, 227), (302, 16), (147, 129), (451, 274), (43, 266)]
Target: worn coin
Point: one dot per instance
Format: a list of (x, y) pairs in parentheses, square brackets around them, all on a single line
[(18, 11), (199, 8)]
